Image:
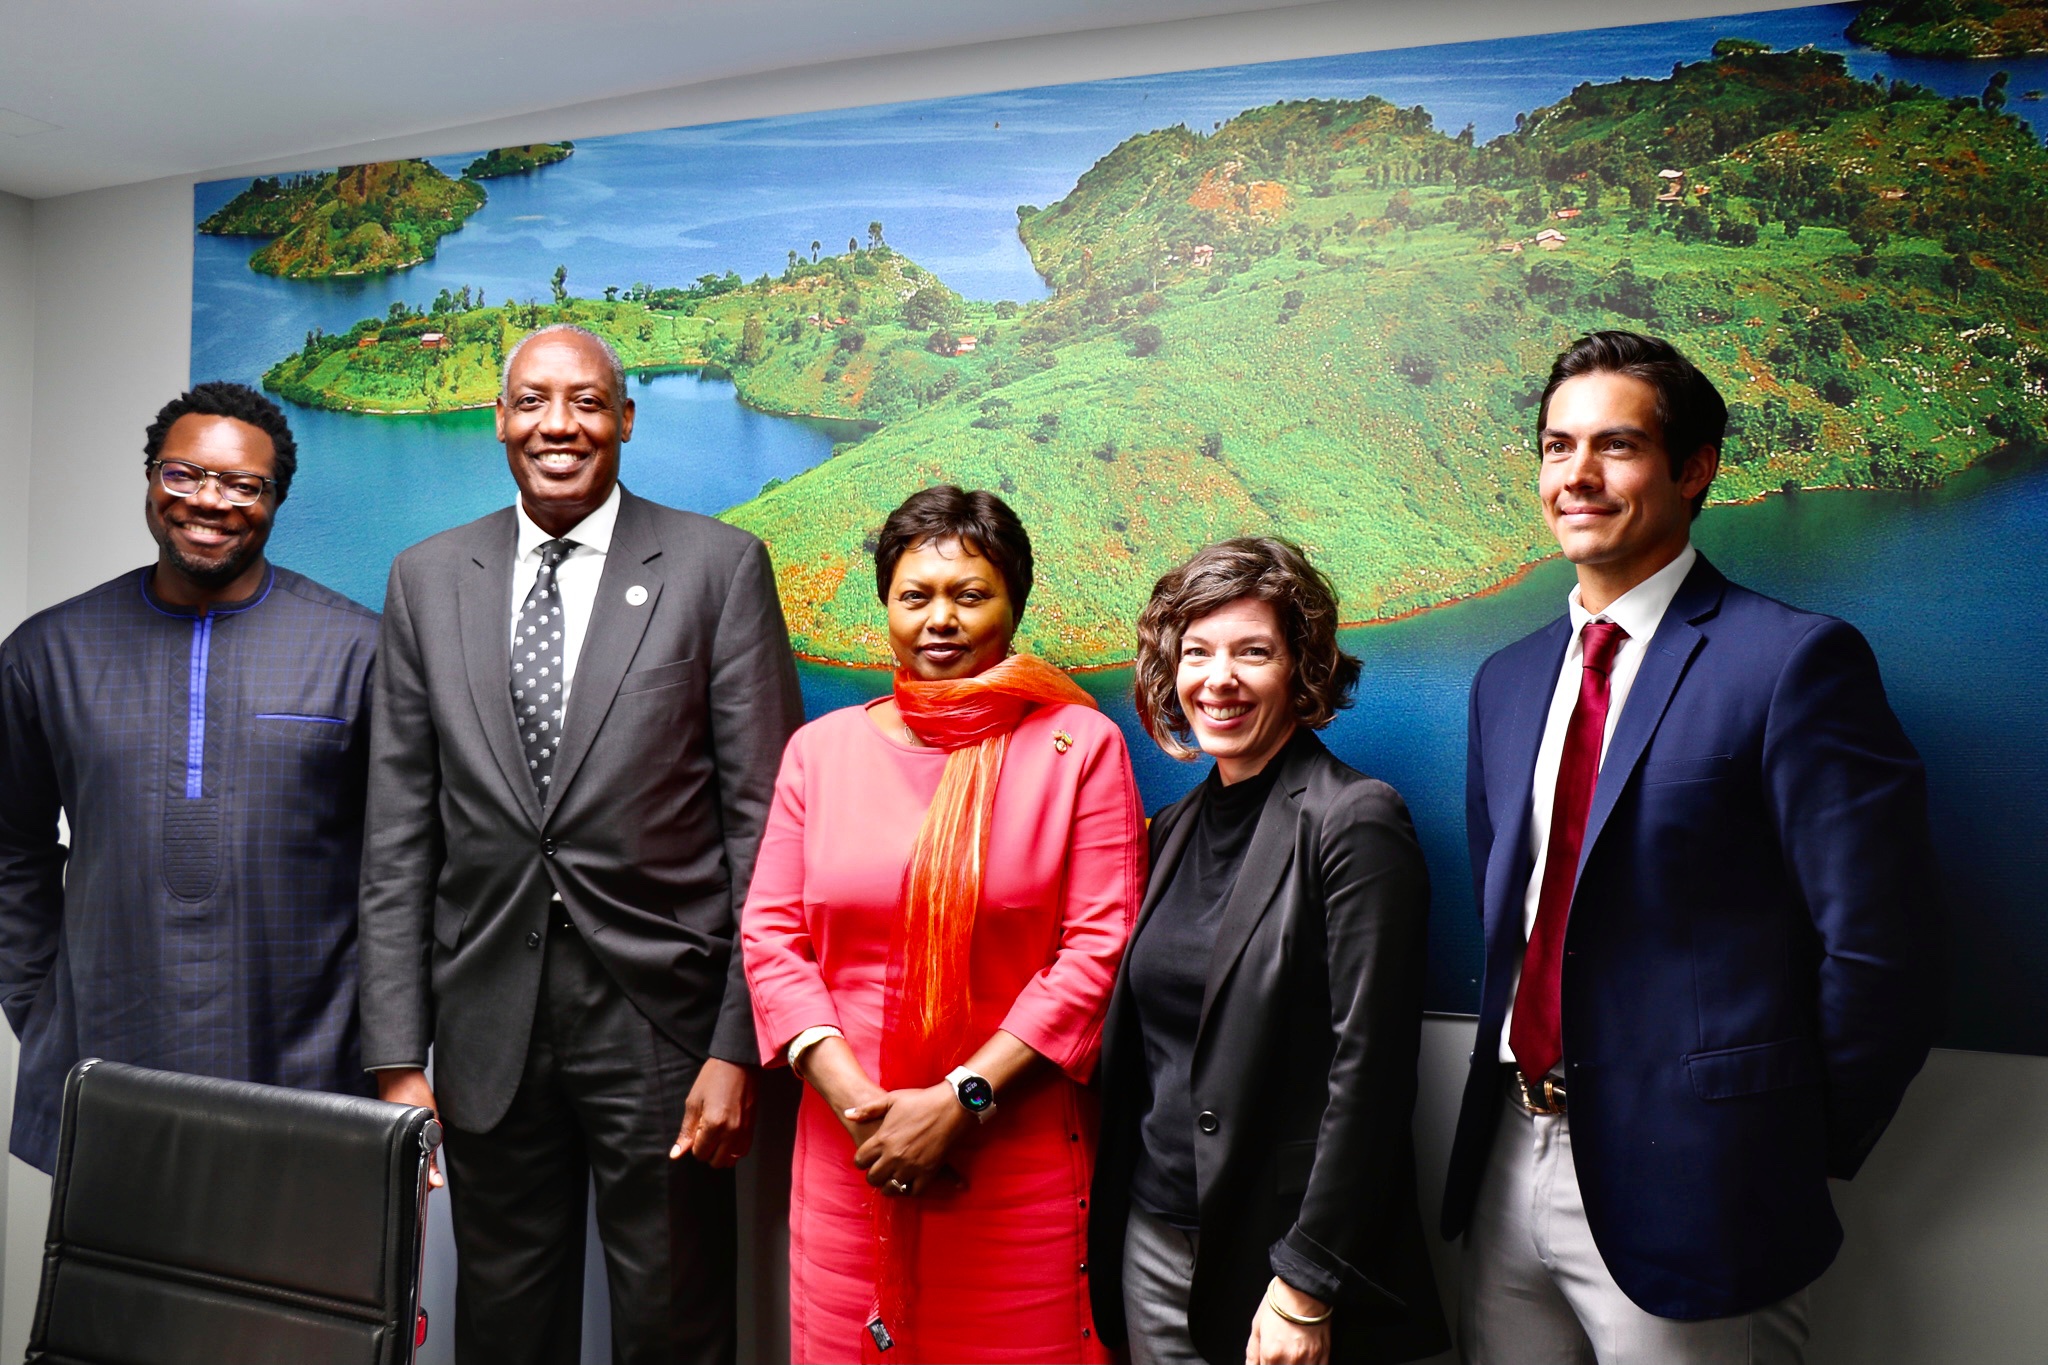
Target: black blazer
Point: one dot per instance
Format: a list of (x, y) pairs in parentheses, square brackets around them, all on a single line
[(1304, 1066), (684, 695)]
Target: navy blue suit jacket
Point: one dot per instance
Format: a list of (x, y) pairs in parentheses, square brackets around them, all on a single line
[(1751, 973)]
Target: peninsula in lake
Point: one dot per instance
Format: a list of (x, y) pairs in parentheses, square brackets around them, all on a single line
[(1953, 28), (1332, 317)]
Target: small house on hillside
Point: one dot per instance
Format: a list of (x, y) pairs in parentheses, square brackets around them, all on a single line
[(1671, 175), (365, 343), (1509, 248), (1550, 239), (1569, 213), (1202, 255), (433, 341), (963, 345)]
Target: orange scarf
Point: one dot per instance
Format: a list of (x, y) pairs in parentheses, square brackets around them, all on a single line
[(924, 1032)]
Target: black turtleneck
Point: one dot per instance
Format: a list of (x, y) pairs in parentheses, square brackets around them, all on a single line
[(1169, 966)]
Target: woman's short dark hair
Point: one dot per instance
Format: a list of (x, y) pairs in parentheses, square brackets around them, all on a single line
[(980, 521), (218, 398), (1267, 569), (1690, 410)]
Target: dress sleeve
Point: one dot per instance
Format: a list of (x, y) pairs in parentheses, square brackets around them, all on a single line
[(783, 975), (1059, 1013)]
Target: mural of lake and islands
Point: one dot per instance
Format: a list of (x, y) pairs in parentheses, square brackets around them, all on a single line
[(1315, 297)]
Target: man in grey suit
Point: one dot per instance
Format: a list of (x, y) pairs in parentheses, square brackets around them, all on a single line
[(580, 706)]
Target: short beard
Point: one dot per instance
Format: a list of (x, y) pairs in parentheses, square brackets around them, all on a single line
[(208, 574)]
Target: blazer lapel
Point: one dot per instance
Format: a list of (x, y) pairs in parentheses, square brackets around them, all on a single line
[(1168, 861), (1266, 861), (1664, 663), (1511, 859), (610, 640), (483, 603)]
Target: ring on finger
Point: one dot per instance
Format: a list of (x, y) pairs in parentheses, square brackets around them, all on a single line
[(898, 1187)]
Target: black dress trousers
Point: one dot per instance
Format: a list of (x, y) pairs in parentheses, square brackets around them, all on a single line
[(602, 1096)]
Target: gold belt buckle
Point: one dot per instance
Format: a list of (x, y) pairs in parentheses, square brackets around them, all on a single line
[(1548, 1099)]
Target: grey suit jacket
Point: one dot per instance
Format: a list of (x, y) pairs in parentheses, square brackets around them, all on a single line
[(675, 730)]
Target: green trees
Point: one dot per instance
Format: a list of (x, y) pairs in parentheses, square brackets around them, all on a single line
[(753, 340), (559, 282)]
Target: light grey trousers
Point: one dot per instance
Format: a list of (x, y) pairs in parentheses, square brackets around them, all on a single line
[(1537, 1292), (1159, 1268)]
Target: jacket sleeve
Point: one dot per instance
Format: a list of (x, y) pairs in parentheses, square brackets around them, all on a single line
[(31, 858), (755, 707), (1376, 907), (1848, 796), (1060, 1012), (402, 846)]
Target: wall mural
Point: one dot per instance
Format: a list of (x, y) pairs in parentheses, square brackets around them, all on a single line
[(1316, 297)]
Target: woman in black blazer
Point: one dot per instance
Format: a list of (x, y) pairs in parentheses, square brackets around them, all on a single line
[(1254, 1194)]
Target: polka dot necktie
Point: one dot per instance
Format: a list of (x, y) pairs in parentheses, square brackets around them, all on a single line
[(537, 694)]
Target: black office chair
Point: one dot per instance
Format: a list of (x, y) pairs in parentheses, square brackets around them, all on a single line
[(205, 1222)]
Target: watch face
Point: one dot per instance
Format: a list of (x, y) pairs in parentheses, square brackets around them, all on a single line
[(976, 1094)]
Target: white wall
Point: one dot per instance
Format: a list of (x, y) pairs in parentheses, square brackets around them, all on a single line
[(17, 376), (1948, 1225)]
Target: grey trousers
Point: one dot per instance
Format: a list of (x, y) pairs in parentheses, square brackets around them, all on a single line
[(1159, 1267), (1538, 1293)]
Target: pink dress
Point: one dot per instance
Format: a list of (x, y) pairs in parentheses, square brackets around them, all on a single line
[(1001, 1270)]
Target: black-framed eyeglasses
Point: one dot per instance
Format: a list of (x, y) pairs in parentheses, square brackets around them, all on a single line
[(238, 486)]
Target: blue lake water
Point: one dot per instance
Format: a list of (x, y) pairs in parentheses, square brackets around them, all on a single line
[(1945, 584)]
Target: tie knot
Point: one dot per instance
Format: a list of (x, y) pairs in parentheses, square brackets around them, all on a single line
[(553, 552), (1603, 641)]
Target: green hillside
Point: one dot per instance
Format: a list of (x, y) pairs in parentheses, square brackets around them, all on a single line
[(1953, 28), (1331, 319)]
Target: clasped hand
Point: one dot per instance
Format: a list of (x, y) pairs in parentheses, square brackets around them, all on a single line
[(903, 1136)]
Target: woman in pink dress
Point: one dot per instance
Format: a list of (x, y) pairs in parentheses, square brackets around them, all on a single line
[(933, 928)]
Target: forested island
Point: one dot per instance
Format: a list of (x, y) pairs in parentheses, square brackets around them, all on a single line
[(517, 160), (1333, 317), (1953, 28), (365, 220)]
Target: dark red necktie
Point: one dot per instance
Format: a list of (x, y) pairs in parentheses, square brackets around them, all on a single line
[(1536, 1037)]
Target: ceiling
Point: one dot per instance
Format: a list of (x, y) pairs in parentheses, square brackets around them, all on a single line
[(107, 92)]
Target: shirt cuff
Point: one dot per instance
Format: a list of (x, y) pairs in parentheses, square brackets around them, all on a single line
[(1304, 1274), (800, 1044)]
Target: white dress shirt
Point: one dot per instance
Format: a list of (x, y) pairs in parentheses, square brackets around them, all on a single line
[(576, 578), (1638, 611)]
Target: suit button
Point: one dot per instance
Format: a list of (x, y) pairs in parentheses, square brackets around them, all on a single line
[(533, 940), (1208, 1122), (547, 846)]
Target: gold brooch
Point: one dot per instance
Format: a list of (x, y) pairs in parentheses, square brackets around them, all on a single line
[(1062, 741)]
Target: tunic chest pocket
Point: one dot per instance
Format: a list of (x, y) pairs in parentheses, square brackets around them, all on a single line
[(301, 727)]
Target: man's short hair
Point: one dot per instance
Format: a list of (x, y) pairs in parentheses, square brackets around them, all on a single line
[(983, 524), (1690, 410), (611, 359), (219, 398), (1267, 569)]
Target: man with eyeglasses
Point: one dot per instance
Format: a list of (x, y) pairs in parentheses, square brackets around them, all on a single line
[(203, 725)]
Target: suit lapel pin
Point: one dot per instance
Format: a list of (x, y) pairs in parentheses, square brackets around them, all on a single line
[(636, 596), (1062, 741)]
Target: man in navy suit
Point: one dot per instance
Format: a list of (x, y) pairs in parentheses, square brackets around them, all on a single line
[(1700, 845)]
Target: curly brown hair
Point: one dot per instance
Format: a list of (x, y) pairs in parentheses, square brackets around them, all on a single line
[(1263, 567)]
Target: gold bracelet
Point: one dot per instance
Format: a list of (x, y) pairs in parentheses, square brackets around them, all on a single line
[(1296, 1319)]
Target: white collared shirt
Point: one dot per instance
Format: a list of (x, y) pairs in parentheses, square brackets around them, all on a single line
[(1639, 611), (576, 579)]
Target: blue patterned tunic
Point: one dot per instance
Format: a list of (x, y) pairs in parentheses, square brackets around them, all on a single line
[(211, 768)]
